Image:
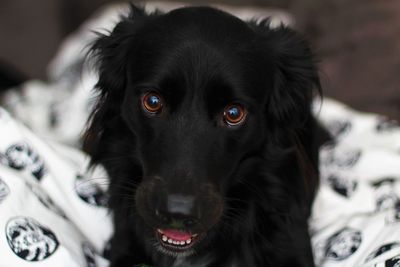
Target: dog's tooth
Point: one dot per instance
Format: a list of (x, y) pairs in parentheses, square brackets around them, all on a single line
[(188, 241), (175, 242), (182, 243), (170, 241), (158, 230), (164, 238)]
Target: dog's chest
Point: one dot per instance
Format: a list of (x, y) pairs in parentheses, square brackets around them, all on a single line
[(201, 262)]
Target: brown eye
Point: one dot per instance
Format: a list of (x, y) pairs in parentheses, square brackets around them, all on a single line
[(152, 103), (234, 114)]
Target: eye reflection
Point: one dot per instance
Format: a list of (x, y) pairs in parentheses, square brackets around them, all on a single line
[(234, 114), (152, 103)]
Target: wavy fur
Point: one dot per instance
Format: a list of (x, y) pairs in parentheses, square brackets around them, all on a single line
[(264, 172)]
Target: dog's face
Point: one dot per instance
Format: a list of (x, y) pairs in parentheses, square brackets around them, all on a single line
[(195, 114), (190, 100)]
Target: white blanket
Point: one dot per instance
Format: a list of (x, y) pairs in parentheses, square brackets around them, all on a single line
[(356, 217), (52, 209)]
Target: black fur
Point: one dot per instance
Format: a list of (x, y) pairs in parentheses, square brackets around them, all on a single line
[(252, 184)]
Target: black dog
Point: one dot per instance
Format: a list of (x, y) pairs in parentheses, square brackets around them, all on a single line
[(204, 126)]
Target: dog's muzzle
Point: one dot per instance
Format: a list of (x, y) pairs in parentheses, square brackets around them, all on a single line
[(180, 219)]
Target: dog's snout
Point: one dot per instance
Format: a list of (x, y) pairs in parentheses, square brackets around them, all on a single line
[(180, 204), (178, 209), (185, 204)]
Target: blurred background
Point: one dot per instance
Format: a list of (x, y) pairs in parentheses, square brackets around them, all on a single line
[(357, 42)]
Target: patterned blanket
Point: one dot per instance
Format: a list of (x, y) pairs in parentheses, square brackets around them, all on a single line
[(51, 207), (356, 216)]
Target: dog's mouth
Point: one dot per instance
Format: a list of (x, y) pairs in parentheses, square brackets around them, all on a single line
[(176, 240)]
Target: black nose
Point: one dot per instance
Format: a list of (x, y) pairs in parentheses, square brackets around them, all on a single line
[(178, 209), (180, 204), (191, 205)]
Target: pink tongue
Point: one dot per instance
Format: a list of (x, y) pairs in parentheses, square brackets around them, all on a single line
[(177, 235)]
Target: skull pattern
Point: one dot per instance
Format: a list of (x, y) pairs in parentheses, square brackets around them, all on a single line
[(29, 240)]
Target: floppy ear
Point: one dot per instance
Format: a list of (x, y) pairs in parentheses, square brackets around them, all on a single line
[(109, 53), (288, 107), (295, 76)]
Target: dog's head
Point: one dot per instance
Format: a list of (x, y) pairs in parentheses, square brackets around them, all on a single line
[(191, 103)]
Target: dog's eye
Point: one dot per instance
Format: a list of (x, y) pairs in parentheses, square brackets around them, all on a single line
[(152, 103), (234, 114)]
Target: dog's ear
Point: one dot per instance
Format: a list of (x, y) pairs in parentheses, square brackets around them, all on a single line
[(109, 54), (110, 51), (295, 78)]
